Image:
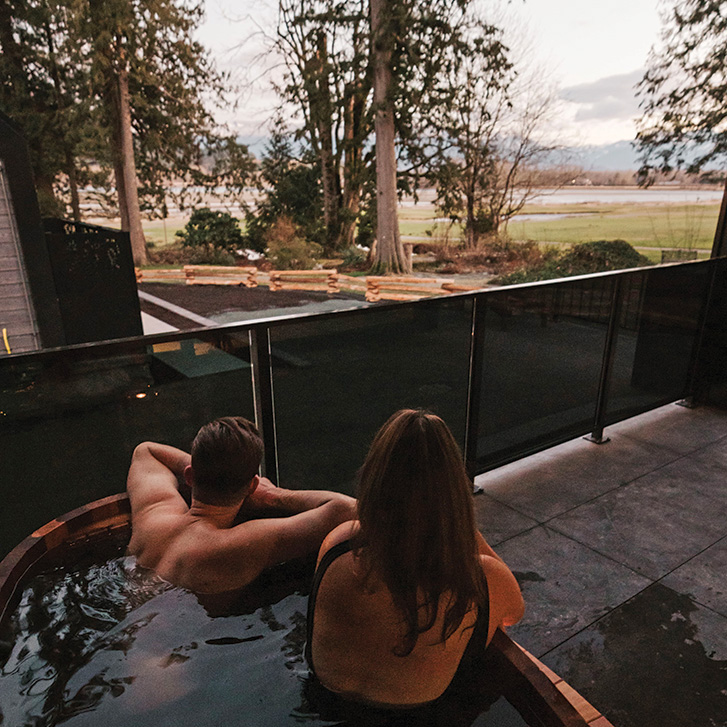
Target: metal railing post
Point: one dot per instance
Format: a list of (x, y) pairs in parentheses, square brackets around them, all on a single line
[(719, 247), (262, 387), (474, 385), (609, 351)]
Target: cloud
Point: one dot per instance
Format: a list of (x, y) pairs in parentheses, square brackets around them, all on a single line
[(607, 99)]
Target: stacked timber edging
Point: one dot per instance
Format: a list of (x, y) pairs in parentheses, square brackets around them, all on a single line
[(374, 287)]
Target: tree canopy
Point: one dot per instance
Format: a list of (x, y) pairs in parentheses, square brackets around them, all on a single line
[(417, 78), (116, 93), (684, 91)]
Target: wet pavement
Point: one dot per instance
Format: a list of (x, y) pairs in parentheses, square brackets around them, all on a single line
[(621, 552)]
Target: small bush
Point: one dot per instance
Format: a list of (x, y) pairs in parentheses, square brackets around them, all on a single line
[(582, 259), (287, 251), (211, 256), (355, 258), (591, 257), (212, 230), (496, 256), (171, 255)]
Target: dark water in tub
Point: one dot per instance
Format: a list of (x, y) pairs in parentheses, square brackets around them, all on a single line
[(113, 645)]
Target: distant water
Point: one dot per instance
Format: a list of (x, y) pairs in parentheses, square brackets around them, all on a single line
[(606, 195)]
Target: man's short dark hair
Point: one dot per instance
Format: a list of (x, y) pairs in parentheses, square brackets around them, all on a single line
[(226, 455)]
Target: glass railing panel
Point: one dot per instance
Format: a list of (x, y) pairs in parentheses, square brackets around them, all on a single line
[(337, 380), (540, 360), (661, 314), (711, 385), (70, 419)]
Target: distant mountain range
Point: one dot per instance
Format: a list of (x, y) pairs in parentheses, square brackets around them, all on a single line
[(617, 157)]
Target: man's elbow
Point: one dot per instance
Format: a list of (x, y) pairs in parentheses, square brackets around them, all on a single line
[(141, 450), (341, 509)]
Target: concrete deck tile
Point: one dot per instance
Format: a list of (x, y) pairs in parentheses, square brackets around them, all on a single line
[(704, 578), (566, 586), (715, 455), (498, 522), (657, 523), (552, 482), (675, 427), (659, 659)]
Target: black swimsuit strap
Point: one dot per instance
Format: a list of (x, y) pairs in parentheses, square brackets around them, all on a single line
[(328, 557)]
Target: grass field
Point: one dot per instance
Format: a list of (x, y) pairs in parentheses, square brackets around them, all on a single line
[(648, 227), (652, 226)]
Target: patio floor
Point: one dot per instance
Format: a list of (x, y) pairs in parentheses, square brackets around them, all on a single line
[(621, 552)]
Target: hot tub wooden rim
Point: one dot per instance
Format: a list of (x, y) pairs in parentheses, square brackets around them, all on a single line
[(110, 514), (113, 515)]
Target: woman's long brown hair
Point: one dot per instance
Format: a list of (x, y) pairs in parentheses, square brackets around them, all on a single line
[(418, 532)]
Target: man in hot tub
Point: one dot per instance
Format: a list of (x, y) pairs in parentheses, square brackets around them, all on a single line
[(205, 547)]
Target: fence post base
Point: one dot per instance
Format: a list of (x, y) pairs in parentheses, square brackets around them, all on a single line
[(597, 438)]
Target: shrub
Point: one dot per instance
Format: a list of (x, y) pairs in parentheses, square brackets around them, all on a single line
[(581, 259), (287, 251), (211, 230), (355, 258), (170, 255), (496, 256), (211, 256), (592, 257)]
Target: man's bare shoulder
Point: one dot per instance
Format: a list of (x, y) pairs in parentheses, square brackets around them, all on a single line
[(155, 531)]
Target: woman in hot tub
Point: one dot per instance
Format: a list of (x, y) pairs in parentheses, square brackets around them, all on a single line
[(410, 590)]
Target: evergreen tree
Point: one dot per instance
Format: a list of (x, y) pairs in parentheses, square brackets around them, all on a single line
[(288, 187), (39, 81), (684, 92), (117, 85), (359, 70)]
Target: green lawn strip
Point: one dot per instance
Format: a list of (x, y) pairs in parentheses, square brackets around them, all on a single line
[(690, 226), (642, 225)]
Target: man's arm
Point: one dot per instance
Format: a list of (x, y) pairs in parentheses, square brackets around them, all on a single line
[(268, 497), (255, 545), (153, 476)]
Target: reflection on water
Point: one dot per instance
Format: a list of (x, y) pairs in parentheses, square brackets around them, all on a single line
[(115, 645)]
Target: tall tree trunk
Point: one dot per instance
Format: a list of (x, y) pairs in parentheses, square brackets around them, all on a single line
[(49, 204), (353, 107), (119, 180), (73, 184), (322, 116), (128, 167), (389, 255)]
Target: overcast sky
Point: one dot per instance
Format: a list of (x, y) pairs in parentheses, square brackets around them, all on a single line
[(594, 52)]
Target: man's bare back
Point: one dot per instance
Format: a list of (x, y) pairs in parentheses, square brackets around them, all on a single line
[(200, 547)]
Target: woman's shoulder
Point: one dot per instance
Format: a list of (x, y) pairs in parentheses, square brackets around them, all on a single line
[(506, 601), (345, 531)]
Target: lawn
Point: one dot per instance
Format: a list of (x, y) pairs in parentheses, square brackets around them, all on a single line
[(656, 226), (648, 227)]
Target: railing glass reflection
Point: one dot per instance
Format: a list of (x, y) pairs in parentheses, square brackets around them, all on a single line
[(71, 417), (511, 370)]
